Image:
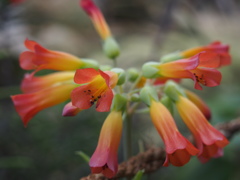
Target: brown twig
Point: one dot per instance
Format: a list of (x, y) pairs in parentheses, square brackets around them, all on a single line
[(153, 158)]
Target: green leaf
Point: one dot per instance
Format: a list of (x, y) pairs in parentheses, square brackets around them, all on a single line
[(83, 155), (139, 175)]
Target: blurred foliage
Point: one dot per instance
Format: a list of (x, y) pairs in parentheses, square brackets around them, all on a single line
[(145, 30)]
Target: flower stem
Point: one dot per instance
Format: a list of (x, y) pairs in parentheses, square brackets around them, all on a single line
[(128, 137)]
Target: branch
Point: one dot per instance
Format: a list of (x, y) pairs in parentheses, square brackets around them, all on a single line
[(152, 159)]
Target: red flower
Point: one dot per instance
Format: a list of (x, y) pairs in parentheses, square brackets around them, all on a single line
[(199, 68), (97, 18), (178, 148), (216, 47), (208, 139), (104, 159), (97, 87), (39, 58)]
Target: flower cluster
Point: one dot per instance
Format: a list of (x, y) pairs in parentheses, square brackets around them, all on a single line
[(84, 83)]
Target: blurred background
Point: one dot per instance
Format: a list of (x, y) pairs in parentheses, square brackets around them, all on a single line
[(145, 30)]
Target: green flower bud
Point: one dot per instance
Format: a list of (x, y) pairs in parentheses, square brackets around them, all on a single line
[(105, 67), (132, 74), (147, 94), (89, 63), (119, 102), (135, 97), (172, 90), (121, 75), (171, 57), (111, 48), (150, 70), (168, 103)]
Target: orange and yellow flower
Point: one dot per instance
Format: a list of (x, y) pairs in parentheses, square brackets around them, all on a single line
[(178, 148), (104, 160), (199, 68), (215, 47), (38, 58), (32, 83), (208, 139), (97, 87), (28, 105), (97, 18), (202, 106)]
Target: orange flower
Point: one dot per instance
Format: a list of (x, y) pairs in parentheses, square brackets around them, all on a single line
[(97, 88), (104, 159), (39, 58), (97, 18), (199, 68), (28, 105), (32, 83), (178, 148), (208, 139), (202, 106), (215, 47)]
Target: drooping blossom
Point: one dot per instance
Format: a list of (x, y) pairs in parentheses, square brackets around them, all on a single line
[(97, 87), (97, 18), (38, 58), (32, 83), (208, 139), (202, 106), (28, 105), (178, 148), (200, 68), (215, 47), (104, 160)]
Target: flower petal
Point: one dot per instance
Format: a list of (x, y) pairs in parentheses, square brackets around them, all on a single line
[(83, 76), (104, 103), (26, 60), (209, 60), (81, 97)]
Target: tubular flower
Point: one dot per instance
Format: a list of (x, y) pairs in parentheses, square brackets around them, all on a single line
[(97, 18), (215, 47), (104, 159), (178, 148), (31, 83), (39, 58), (199, 68), (97, 88), (208, 139), (28, 105), (202, 106)]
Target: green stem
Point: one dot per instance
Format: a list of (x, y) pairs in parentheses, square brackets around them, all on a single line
[(114, 62), (128, 137)]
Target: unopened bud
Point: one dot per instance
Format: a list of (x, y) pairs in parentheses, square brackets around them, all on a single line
[(111, 48), (147, 94), (121, 75), (150, 70)]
